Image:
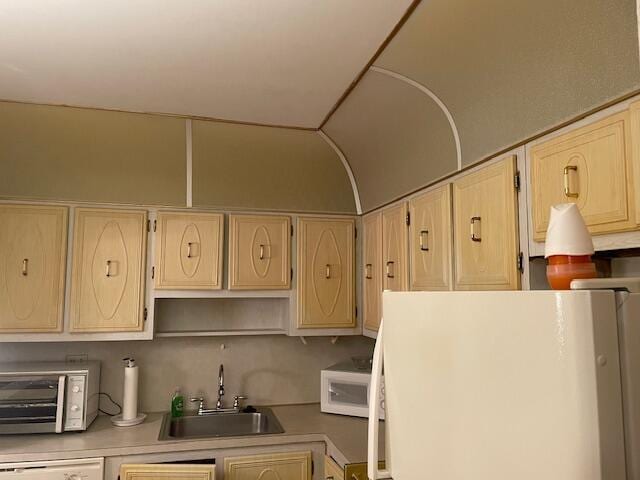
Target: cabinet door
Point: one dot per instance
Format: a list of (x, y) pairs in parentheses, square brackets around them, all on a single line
[(326, 273), (167, 472), (259, 252), (332, 470), (372, 274), (590, 166), (486, 229), (430, 236), (33, 247), (394, 247), (278, 466), (107, 282), (188, 253)]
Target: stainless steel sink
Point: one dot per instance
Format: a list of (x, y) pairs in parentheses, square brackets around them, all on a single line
[(262, 422)]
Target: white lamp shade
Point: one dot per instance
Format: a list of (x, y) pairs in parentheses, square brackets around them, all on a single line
[(567, 233)]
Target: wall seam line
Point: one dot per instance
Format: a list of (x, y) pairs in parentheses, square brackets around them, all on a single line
[(347, 167), (434, 97)]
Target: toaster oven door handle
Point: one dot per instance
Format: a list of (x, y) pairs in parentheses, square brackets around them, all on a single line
[(60, 403)]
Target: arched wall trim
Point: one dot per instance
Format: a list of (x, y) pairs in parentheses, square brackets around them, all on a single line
[(347, 167), (434, 97)]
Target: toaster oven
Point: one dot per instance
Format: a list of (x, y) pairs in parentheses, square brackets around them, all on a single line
[(48, 397)]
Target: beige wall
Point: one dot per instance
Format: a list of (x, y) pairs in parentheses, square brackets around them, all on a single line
[(395, 138), (63, 153), (268, 369), (267, 168), (509, 69)]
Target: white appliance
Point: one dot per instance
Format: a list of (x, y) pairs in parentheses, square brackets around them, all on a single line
[(345, 390), (510, 385), (42, 397), (84, 469)]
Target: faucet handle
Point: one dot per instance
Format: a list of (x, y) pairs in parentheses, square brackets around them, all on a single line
[(200, 401), (236, 401)]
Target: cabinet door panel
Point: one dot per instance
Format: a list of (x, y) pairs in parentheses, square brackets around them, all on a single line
[(325, 273), (278, 466), (486, 229), (188, 255), (166, 472), (107, 283), (372, 274), (430, 235), (259, 252), (33, 245), (590, 166), (394, 247)]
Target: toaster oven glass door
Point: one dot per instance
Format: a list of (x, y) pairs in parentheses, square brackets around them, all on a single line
[(30, 404)]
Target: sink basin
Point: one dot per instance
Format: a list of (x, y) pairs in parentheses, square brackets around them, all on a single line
[(262, 422)]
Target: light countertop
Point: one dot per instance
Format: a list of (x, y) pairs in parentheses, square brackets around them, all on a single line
[(346, 438)]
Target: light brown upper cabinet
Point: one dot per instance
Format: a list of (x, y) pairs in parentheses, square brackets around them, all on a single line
[(167, 472), (33, 246), (189, 251), (394, 247), (259, 252), (486, 228), (590, 166), (277, 466), (372, 274), (107, 281), (430, 237), (326, 297)]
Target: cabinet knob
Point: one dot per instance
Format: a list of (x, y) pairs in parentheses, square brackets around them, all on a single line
[(567, 187), (475, 227)]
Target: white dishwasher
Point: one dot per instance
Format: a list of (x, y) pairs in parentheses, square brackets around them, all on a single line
[(82, 469)]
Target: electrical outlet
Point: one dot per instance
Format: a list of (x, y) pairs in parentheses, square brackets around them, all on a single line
[(79, 358)]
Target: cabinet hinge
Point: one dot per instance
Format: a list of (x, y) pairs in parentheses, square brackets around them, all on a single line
[(408, 218), (155, 223), (356, 312), (145, 313), (516, 181), (148, 225), (355, 232), (292, 274), (292, 230), (153, 272), (313, 468), (520, 262)]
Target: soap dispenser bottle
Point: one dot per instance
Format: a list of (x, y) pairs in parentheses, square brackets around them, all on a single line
[(177, 404)]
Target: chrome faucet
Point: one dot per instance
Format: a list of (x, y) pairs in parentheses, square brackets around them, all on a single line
[(202, 410), (220, 387)]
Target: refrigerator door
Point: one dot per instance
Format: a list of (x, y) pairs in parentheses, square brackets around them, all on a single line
[(502, 385)]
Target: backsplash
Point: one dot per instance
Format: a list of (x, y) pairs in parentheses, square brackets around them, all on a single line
[(269, 370)]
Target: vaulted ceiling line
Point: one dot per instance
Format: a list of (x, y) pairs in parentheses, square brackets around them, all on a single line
[(422, 88)]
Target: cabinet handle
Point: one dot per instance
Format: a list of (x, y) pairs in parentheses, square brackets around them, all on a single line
[(367, 271), (25, 267), (390, 269), (567, 188), (327, 273), (475, 237), (108, 268), (261, 252), (423, 240), (189, 249)]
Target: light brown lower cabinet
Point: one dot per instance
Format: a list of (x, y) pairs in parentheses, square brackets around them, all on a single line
[(277, 466), (167, 472), (332, 470)]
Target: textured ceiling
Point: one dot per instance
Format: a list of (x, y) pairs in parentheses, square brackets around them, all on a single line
[(280, 62)]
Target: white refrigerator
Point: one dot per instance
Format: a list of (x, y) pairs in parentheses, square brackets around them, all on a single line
[(524, 385)]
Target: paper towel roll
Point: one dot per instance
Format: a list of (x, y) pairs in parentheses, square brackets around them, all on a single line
[(130, 396), (567, 233)]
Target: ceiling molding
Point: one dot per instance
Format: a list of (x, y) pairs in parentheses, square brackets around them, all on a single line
[(347, 167), (375, 56), (433, 97)]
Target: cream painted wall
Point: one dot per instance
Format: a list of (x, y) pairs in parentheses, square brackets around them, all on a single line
[(508, 70), (267, 168), (268, 369), (395, 138)]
